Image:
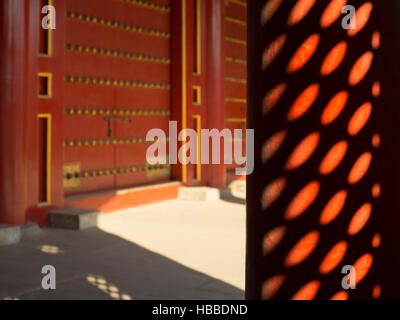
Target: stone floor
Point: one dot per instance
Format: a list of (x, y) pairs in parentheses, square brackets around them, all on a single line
[(170, 250)]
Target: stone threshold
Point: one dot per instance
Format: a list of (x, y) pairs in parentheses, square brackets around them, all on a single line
[(14, 234)]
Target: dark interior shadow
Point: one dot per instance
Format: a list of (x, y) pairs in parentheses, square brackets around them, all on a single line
[(93, 264)]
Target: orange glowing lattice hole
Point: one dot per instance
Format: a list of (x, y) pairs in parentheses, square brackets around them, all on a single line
[(376, 40), (332, 12), (273, 97), (333, 158), (334, 58), (299, 11), (333, 258), (272, 145), (272, 285), (359, 119), (376, 89), (360, 219), (376, 240), (360, 68), (360, 168), (273, 238), (307, 292), (302, 249), (303, 151), (303, 102), (376, 190), (361, 18), (272, 51), (377, 291), (334, 107), (269, 10), (272, 192), (376, 140), (303, 200), (341, 295), (362, 266), (333, 208), (304, 53)]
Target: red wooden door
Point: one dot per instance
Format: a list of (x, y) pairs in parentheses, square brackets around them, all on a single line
[(117, 88)]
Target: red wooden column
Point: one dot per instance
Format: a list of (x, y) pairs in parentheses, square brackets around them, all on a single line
[(22, 106), (215, 82), (13, 104)]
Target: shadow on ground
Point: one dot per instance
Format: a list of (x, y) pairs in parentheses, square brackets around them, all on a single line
[(93, 264), (227, 195), (235, 192)]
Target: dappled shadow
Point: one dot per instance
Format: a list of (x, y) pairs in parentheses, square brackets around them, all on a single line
[(93, 264)]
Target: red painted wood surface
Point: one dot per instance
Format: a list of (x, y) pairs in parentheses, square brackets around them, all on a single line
[(13, 165), (140, 47), (235, 72), (20, 107), (215, 83), (80, 32), (192, 78)]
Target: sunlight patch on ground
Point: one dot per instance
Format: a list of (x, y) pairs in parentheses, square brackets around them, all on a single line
[(208, 237)]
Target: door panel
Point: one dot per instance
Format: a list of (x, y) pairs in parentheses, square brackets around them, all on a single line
[(117, 87)]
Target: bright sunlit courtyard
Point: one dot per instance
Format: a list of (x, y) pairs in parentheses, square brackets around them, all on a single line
[(175, 249)]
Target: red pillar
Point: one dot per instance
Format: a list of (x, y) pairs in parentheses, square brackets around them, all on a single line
[(215, 82), (13, 84)]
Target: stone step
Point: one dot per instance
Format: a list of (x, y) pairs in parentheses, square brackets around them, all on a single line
[(113, 200), (238, 188), (9, 234), (31, 229), (198, 193), (73, 218)]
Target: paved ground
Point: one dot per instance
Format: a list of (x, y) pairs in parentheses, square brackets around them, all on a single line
[(170, 250)]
